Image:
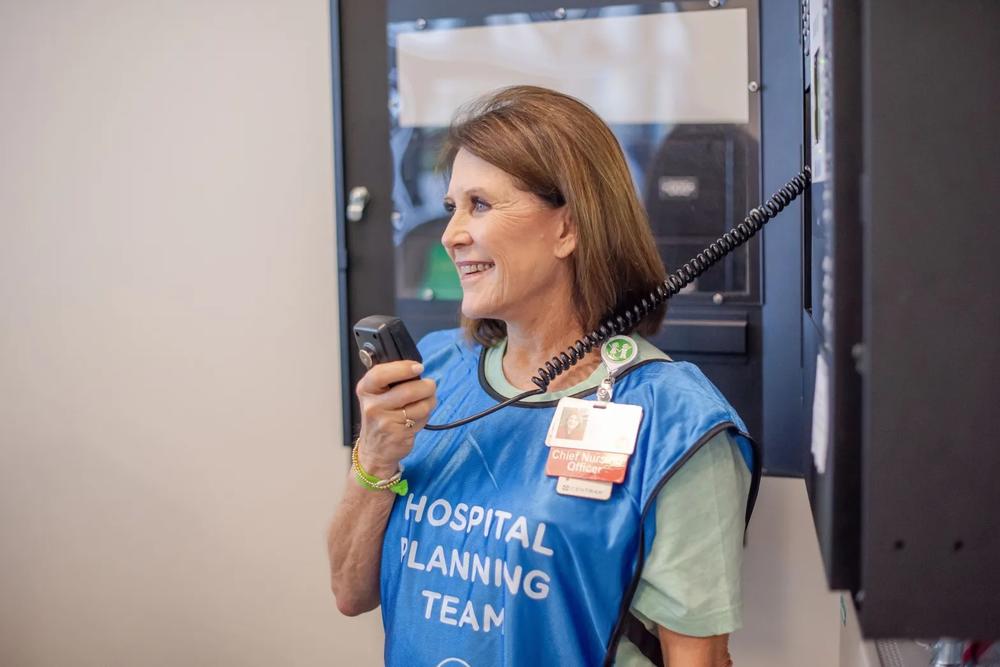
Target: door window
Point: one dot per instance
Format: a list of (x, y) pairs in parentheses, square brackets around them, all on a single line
[(675, 82)]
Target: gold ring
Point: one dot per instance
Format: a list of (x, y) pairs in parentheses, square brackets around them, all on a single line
[(407, 422)]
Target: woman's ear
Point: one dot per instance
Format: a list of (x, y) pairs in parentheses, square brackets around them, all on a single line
[(566, 241)]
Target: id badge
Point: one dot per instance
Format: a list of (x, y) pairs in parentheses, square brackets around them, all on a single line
[(589, 446), (590, 441), (605, 427)]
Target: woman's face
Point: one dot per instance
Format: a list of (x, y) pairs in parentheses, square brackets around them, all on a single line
[(572, 421), (510, 247)]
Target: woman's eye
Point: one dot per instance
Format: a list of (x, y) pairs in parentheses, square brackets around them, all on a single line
[(449, 207), (479, 206)]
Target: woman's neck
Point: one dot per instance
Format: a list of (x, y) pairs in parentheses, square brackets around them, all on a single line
[(533, 341)]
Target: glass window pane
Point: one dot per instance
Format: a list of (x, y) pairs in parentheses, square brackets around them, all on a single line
[(672, 84)]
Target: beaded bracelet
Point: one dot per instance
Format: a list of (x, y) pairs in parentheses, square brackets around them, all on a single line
[(396, 483)]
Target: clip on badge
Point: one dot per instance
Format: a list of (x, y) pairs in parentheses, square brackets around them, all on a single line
[(590, 442)]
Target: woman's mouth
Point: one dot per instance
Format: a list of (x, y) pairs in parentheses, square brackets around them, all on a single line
[(471, 270)]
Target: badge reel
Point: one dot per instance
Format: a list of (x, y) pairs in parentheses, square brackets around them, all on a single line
[(590, 442)]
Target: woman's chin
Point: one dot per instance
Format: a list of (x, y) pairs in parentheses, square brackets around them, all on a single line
[(474, 311), (473, 314)]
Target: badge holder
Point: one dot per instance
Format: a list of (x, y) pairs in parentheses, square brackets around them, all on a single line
[(590, 442)]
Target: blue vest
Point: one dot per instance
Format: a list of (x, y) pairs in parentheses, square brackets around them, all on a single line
[(484, 564)]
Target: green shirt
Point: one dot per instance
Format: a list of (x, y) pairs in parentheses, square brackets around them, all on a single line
[(690, 581)]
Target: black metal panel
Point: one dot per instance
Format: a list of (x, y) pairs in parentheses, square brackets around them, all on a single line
[(711, 336), (832, 326), (338, 199), (738, 376), (931, 536), (781, 157), (366, 162)]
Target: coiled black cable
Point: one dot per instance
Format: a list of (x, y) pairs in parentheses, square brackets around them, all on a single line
[(626, 319)]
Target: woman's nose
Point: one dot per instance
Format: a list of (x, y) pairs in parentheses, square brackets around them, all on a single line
[(455, 234)]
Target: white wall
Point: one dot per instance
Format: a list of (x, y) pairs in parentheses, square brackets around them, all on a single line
[(790, 619), (169, 380)]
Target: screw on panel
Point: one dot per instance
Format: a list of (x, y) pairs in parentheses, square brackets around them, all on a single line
[(560, 13), (858, 352), (421, 24), (718, 299), (753, 86)]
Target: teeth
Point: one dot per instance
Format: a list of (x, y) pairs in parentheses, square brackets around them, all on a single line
[(475, 268)]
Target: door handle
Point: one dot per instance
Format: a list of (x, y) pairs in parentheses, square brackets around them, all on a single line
[(357, 202)]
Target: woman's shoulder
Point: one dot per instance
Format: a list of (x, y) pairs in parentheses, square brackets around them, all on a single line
[(436, 341), (446, 348), (684, 376), (681, 387), (680, 376)]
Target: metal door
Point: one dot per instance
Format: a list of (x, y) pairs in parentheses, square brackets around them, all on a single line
[(678, 82)]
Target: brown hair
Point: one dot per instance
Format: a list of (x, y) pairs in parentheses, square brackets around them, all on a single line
[(557, 148)]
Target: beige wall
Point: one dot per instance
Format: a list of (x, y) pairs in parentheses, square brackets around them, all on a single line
[(169, 378), (790, 619)]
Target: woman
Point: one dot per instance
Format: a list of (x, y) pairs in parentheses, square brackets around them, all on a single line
[(486, 559), (572, 424)]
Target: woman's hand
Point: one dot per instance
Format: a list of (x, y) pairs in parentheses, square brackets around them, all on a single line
[(354, 540), (385, 409)]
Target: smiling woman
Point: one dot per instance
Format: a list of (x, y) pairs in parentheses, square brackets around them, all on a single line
[(543, 161), (547, 235), (504, 278)]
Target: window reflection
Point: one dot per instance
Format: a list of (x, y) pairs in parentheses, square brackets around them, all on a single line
[(696, 179)]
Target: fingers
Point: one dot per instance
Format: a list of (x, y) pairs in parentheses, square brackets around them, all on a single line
[(421, 410), (382, 405), (383, 420), (379, 377), (403, 394), (400, 396)]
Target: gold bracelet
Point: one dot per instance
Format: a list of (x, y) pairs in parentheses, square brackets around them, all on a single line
[(396, 483)]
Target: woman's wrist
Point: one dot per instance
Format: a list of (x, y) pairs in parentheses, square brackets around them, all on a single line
[(375, 465), (394, 483)]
